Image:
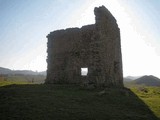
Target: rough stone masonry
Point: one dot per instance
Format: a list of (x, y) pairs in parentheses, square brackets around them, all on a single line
[(96, 47)]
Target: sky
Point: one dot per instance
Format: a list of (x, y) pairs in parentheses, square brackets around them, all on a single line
[(24, 25)]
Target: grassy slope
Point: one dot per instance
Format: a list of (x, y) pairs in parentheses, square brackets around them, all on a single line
[(151, 96), (41, 102)]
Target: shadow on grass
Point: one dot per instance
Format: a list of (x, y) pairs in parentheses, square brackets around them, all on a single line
[(68, 102)]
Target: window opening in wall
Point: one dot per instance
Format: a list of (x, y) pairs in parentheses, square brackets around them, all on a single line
[(84, 71)]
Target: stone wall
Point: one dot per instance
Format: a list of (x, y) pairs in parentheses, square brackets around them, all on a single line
[(96, 47)]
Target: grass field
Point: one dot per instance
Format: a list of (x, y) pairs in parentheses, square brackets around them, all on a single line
[(20, 79), (5, 83), (151, 97), (63, 102)]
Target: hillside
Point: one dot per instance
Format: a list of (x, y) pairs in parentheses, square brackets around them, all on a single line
[(130, 78), (150, 96), (127, 79), (6, 71), (67, 102), (148, 81), (21, 76)]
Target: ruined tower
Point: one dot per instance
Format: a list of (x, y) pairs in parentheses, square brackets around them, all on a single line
[(96, 47)]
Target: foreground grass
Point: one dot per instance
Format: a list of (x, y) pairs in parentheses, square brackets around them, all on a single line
[(151, 96), (53, 102)]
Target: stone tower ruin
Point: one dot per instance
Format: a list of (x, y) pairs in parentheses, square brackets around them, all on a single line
[(96, 47)]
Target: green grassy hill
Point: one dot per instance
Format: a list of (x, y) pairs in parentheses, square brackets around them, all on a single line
[(150, 96), (66, 102)]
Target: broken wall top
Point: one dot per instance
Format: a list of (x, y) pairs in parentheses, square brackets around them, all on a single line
[(102, 16)]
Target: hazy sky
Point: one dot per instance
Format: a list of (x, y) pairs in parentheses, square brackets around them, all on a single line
[(24, 25)]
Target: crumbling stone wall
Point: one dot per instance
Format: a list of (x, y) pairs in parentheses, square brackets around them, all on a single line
[(96, 47)]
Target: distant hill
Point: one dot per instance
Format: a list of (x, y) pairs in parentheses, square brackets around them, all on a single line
[(22, 72), (130, 78), (148, 80), (5, 71), (127, 79), (43, 73)]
